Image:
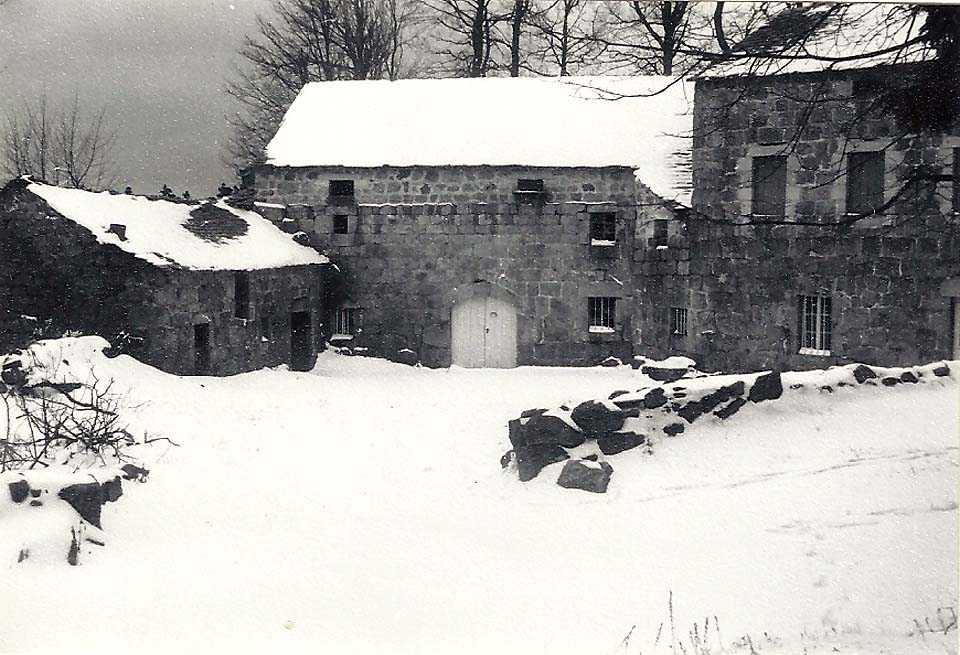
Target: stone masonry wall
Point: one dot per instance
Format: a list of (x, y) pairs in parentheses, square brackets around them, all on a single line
[(419, 237), (741, 284)]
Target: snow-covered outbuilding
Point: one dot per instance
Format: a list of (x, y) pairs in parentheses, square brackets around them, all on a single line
[(189, 287), (483, 222)]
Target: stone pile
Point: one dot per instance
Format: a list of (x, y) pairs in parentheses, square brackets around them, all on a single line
[(626, 420)]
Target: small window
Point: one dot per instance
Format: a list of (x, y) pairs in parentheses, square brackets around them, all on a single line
[(769, 186), (660, 233), (530, 186), (956, 180), (678, 321), (815, 325), (341, 224), (266, 327), (345, 322), (864, 182), (603, 229), (603, 315), (341, 189), (241, 294)]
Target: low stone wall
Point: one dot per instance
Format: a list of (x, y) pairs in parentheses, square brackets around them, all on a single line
[(585, 435)]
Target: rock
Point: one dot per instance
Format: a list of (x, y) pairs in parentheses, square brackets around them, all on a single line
[(507, 459), (13, 374), (732, 408), (19, 490), (617, 442), (596, 419), (766, 387), (586, 476), (611, 362), (515, 433), (942, 371), (673, 429), (87, 498), (112, 490), (133, 472), (655, 398), (696, 408), (890, 381), (527, 413), (863, 373), (531, 459), (690, 412), (550, 430), (663, 374), (909, 378), (826, 389), (591, 458), (617, 394)]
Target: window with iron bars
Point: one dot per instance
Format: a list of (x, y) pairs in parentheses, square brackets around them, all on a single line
[(346, 321), (603, 229), (678, 321), (815, 325), (602, 314)]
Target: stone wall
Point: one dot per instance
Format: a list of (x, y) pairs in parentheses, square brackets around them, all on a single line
[(50, 268), (741, 285), (443, 229)]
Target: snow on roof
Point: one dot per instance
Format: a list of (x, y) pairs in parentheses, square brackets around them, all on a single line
[(195, 236), (640, 122), (823, 37)]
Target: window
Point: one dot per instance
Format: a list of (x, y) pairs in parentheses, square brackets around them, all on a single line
[(678, 321), (341, 224), (530, 186), (660, 233), (815, 325), (266, 328), (603, 314), (956, 180), (864, 182), (603, 229), (241, 295), (341, 189), (769, 186), (201, 349), (346, 321)]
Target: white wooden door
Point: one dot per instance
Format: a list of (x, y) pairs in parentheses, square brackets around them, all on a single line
[(484, 333)]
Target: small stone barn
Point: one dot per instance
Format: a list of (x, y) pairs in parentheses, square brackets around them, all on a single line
[(481, 222), (192, 288)]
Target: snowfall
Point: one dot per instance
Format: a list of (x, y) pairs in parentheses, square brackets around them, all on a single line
[(362, 508)]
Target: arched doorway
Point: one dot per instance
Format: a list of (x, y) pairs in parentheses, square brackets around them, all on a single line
[(484, 328)]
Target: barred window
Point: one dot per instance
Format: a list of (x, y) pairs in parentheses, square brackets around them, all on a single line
[(815, 325), (660, 233), (602, 314), (678, 321), (346, 321), (341, 224), (241, 294), (864, 182), (769, 185), (603, 229)]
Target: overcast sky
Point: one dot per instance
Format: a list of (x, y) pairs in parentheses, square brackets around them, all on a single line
[(158, 66)]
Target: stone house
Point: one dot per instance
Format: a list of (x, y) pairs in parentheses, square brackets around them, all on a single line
[(480, 222), (191, 288), (822, 231)]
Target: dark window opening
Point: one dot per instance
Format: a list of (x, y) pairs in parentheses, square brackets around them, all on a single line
[(602, 314), (678, 321), (201, 349), (530, 186), (266, 327), (660, 232), (341, 188), (815, 325), (346, 321), (956, 180), (603, 228), (769, 186), (241, 295), (864, 182), (341, 224)]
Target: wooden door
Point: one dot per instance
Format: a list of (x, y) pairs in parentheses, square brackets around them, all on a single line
[(484, 333), (301, 341)]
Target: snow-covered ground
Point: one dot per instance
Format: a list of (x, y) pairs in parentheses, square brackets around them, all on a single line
[(362, 508)]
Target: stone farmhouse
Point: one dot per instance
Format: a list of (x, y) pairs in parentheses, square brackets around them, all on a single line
[(482, 222), (192, 288), (822, 231)]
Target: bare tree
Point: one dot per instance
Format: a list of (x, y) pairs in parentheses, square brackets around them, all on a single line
[(65, 145), (305, 41), (565, 36), (468, 35)]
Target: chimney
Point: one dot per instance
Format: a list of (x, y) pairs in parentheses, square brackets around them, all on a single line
[(119, 230)]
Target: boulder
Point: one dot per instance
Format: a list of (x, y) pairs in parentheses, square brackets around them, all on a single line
[(863, 373), (673, 429), (19, 490), (13, 374), (515, 433), (134, 472), (586, 476), (696, 408), (112, 490), (942, 371), (890, 381), (617, 442), (596, 419), (617, 394), (766, 387), (532, 459), (655, 398), (730, 409), (86, 498), (663, 374), (545, 429), (909, 378)]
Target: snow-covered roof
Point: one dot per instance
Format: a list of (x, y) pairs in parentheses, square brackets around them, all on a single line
[(822, 37), (640, 122), (208, 236)]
